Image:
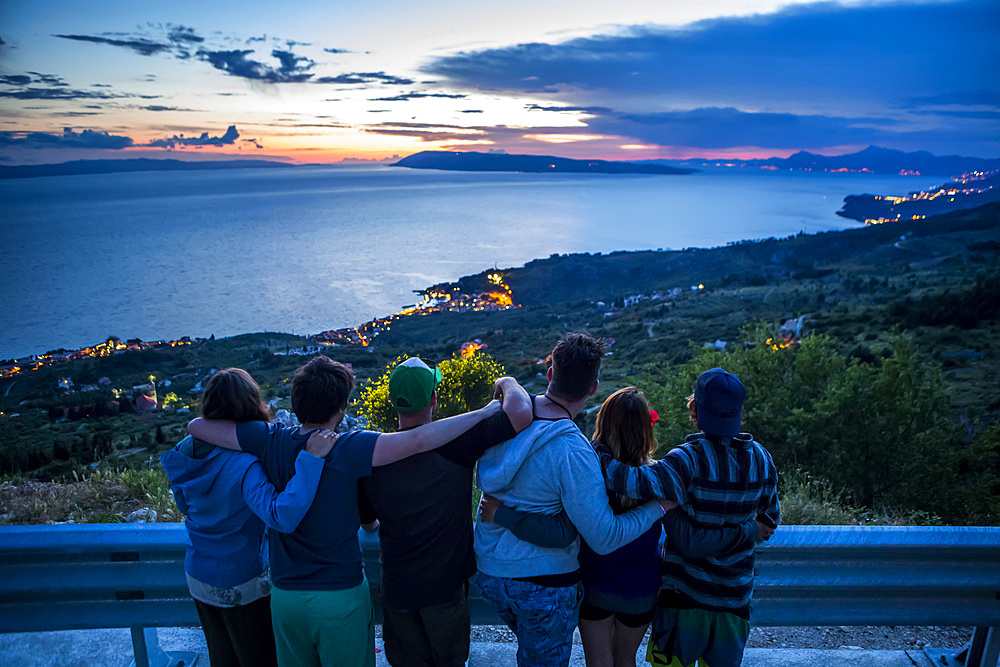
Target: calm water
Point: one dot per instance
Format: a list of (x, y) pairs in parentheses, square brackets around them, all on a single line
[(168, 254)]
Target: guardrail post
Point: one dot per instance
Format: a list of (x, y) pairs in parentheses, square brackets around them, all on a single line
[(983, 650), (148, 653), (988, 646)]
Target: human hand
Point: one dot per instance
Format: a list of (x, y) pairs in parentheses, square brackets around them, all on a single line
[(498, 386), (370, 527), (764, 531), (321, 443), (667, 505), (488, 508)]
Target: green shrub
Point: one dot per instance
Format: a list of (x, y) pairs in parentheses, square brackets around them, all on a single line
[(466, 384), (882, 432)]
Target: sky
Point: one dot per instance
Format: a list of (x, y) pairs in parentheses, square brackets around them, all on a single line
[(352, 80)]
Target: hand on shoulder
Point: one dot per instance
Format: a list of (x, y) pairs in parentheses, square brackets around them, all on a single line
[(321, 442)]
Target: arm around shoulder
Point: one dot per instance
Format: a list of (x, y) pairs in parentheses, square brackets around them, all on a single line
[(554, 531), (391, 447), (693, 542), (586, 502), (515, 401), (219, 432), (283, 511)]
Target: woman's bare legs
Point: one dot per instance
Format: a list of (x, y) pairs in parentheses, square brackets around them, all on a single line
[(598, 641), (626, 643)]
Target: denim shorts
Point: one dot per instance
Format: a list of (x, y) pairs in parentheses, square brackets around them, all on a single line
[(542, 617)]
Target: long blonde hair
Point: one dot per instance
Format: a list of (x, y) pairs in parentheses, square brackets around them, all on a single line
[(624, 424)]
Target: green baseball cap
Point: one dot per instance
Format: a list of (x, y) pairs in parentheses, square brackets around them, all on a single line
[(411, 384)]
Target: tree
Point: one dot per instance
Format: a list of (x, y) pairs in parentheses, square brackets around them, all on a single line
[(881, 431)]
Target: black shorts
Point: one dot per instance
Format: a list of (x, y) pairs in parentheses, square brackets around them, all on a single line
[(589, 612)]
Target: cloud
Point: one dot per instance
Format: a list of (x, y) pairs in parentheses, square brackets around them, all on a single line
[(68, 139), (821, 72), (290, 62), (961, 113), (183, 35), (990, 98), (38, 86), (183, 43), (417, 96), (238, 64), (826, 49), (713, 127), (141, 46), (366, 77), (180, 141), (160, 107)]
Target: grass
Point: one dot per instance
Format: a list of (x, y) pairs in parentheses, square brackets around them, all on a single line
[(100, 497), (810, 501)]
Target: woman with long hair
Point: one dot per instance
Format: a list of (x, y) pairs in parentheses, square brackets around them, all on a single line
[(227, 501), (621, 588)]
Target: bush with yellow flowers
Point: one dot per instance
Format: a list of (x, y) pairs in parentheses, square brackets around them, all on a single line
[(466, 384)]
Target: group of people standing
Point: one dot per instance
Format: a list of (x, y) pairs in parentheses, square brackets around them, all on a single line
[(569, 531)]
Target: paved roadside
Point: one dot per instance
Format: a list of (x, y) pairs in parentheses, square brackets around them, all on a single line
[(113, 648)]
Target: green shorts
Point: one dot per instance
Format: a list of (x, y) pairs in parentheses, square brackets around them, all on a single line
[(327, 628), (685, 637)]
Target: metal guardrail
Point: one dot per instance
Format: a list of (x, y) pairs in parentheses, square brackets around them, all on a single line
[(131, 576)]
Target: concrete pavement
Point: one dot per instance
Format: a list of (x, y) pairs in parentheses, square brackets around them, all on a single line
[(113, 648)]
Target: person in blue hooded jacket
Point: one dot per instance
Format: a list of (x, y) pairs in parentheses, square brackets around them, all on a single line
[(227, 501)]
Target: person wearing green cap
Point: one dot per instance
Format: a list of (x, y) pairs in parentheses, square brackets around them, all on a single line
[(423, 504)]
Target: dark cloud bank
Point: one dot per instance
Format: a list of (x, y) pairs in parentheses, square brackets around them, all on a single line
[(103, 140), (820, 75)]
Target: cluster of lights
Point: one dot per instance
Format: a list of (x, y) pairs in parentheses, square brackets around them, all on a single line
[(106, 348), (781, 343), (437, 299), (930, 195)]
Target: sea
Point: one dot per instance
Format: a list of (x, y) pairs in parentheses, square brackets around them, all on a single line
[(160, 255)]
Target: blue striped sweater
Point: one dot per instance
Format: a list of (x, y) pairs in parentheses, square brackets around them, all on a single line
[(717, 482)]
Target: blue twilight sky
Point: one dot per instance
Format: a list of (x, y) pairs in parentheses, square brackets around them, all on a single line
[(326, 81)]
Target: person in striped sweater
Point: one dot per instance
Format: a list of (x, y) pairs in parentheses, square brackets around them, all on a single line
[(719, 477)]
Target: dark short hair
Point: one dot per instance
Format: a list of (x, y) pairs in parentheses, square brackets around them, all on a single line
[(234, 395), (320, 389), (576, 365)]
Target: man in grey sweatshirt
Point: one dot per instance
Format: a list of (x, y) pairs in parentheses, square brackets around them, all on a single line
[(550, 467)]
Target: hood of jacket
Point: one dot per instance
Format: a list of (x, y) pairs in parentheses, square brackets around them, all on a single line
[(499, 465)]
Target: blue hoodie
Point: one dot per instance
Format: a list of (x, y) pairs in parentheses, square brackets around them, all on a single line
[(227, 500)]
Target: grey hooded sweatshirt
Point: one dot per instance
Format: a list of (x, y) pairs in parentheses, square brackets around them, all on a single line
[(547, 468)]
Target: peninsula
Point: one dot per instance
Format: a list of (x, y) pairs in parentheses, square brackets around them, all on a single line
[(471, 161)]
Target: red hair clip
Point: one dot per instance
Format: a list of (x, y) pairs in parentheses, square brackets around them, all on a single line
[(653, 416)]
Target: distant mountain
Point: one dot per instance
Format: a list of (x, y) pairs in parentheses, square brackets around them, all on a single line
[(872, 159), (138, 164), (472, 161)]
